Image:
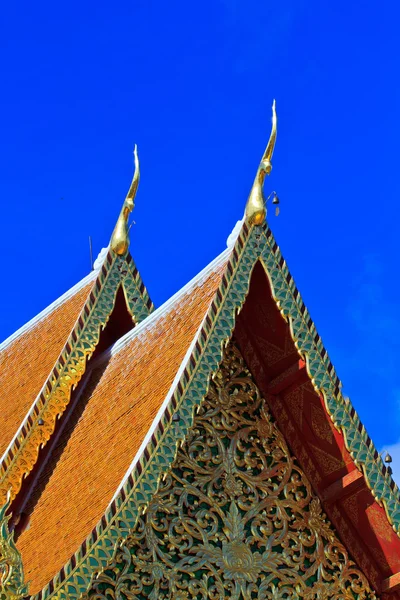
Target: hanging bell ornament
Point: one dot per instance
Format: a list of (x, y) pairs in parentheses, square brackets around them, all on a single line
[(275, 200), (388, 458)]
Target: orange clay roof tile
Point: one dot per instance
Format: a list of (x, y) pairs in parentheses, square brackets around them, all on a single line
[(32, 354), (109, 424)]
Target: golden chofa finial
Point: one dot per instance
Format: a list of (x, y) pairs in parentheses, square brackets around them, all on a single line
[(120, 236), (256, 207)]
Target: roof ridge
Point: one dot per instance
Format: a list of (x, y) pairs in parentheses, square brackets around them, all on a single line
[(188, 389), (58, 301), (164, 404), (96, 268), (161, 310), (49, 309), (38, 426), (160, 425)]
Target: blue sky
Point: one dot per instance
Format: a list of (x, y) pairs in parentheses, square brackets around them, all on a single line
[(192, 85)]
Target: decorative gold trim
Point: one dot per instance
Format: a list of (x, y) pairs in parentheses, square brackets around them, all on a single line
[(142, 483), (235, 516), (68, 370), (256, 206), (131, 501), (12, 586), (120, 237)]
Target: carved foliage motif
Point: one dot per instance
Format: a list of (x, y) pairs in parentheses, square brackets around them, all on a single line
[(235, 517), (121, 517), (12, 585)]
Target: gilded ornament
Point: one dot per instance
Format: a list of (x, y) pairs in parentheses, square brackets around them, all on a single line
[(122, 516), (120, 236), (12, 586), (256, 205), (71, 365), (235, 516)]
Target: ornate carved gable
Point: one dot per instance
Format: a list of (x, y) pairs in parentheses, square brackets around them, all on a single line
[(213, 505), (235, 516)]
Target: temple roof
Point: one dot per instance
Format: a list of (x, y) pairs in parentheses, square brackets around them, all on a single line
[(137, 402), (99, 436), (85, 313), (123, 391), (32, 352)]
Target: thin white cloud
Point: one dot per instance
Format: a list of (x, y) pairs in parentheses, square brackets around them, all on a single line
[(375, 318)]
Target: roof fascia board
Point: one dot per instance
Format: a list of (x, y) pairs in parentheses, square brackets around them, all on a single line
[(39, 423), (142, 483), (48, 310), (256, 243), (162, 310)]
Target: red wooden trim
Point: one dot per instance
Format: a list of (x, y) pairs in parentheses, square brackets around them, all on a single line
[(344, 486), (391, 584), (297, 373)]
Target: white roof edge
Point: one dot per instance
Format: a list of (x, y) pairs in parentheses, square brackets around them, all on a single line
[(97, 264), (46, 311), (49, 309), (27, 326), (135, 331), (177, 377), (163, 309), (123, 341), (218, 260)]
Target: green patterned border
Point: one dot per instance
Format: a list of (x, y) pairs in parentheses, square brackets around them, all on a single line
[(136, 295), (38, 426), (251, 245), (327, 383)]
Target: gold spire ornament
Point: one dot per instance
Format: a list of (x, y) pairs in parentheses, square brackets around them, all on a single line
[(120, 236), (12, 586), (256, 206)]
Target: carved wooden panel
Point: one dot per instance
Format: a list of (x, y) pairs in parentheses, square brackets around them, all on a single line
[(235, 517)]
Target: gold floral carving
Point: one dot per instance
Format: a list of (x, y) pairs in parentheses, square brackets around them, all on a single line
[(295, 400), (327, 462), (235, 517), (321, 425), (378, 520), (12, 585)]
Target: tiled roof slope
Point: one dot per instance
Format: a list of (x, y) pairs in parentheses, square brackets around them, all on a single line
[(175, 416), (32, 353), (112, 418), (114, 273)]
